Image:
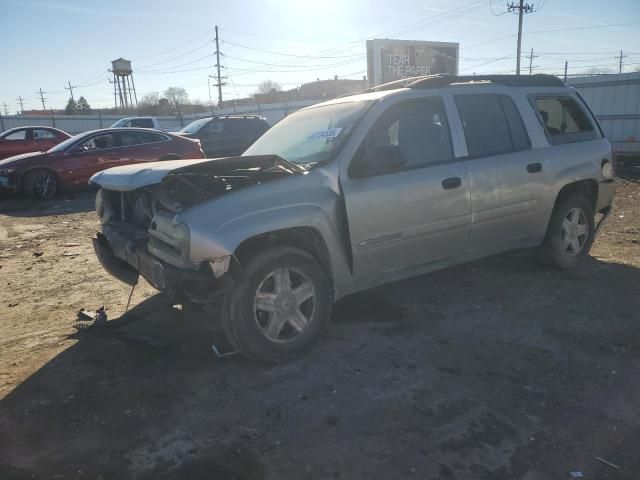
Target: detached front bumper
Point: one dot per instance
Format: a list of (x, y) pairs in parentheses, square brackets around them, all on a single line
[(123, 253)]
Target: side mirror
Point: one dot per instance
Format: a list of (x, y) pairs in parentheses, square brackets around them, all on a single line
[(380, 160)]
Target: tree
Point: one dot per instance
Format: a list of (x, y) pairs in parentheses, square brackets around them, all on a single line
[(71, 108), (268, 86), (83, 106), (149, 104), (177, 97)]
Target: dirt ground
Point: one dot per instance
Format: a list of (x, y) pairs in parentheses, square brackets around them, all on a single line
[(499, 369)]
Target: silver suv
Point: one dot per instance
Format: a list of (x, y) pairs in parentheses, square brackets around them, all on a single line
[(403, 179)]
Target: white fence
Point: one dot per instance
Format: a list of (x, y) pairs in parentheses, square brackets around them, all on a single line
[(75, 124)]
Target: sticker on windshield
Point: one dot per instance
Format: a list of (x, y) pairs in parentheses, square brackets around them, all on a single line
[(328, 133)]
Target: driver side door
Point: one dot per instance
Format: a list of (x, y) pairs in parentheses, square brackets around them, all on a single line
[(417, 213), (92, 155)]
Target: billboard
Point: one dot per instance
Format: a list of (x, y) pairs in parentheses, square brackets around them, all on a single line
[(389, 60)]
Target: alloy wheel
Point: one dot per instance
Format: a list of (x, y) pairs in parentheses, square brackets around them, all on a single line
[(284, 304), (575, 231)]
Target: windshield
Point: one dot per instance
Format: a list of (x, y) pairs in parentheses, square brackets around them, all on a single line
[(193, 127), (310, 136), (120, 123), (69, 141)]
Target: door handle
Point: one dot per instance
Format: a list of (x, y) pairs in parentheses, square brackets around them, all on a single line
[(451, 182), (534, 167)]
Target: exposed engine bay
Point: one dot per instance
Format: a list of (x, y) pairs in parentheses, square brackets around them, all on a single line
[(139, 225)]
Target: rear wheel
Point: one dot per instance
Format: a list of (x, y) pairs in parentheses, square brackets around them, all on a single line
[(280, 308), (41, 184), (570, 233)]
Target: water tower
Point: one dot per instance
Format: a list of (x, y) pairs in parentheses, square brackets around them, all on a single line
[(123, 84)]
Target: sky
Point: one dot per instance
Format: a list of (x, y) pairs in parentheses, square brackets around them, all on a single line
[(48, 43)]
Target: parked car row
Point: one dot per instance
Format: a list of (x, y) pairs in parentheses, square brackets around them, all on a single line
[(40, 161)]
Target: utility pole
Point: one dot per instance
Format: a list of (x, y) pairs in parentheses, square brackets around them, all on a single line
[(522, 9), (566, 66), (6, 111), (531, 56), (219, 84), (70, 88), (620, 64), (42, 99), (20, 100)]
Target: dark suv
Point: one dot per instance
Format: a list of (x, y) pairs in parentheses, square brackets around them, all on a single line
[(226, 136)]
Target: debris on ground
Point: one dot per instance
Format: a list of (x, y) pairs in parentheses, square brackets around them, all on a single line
[(70, 244), (576, 474), (38, 254), (608, 463), (99, 317), (70, 254)]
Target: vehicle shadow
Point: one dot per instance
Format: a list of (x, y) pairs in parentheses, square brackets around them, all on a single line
[(496, 369), (64, 203)]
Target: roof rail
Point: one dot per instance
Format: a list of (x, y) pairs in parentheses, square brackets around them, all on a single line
[(438, 81)]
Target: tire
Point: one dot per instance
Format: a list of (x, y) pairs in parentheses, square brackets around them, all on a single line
[(41, 184), (570, 233), (268, 321)]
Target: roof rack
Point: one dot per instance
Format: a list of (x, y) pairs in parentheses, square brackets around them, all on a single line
[(438, 81)]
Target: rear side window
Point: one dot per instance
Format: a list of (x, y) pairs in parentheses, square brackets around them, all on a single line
[(138, 138), (41, 134), (492, 124), (564, 121)]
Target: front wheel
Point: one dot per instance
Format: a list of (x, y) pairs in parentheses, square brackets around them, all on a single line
[(41, 184), (570, 233), (281, 306)]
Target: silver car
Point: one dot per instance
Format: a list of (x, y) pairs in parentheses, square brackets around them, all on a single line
[(403, 179)]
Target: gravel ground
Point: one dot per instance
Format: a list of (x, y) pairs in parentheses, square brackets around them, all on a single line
[(499, 369)]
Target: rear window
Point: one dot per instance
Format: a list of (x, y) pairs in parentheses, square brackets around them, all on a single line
[(563, 119)]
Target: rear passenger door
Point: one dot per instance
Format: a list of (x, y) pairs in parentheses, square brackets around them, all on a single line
[(506, 176), (418, 212)]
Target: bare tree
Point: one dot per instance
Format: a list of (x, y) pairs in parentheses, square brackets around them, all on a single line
[(268, 86), (177, 97), (149, 104)]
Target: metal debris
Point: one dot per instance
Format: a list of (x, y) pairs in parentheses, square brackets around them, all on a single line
[(608, 463), (222, 355)]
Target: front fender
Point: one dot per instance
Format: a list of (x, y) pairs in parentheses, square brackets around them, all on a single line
[(207, 244)]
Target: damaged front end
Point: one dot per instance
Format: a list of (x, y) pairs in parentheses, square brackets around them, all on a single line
[(143, 234)]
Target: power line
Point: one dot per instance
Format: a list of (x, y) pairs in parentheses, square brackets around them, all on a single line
[(531, 56), (70, 90), (522, 8), (206, 44), (271, 52), (41, 93)]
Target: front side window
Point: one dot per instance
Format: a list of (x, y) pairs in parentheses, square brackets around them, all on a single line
[(419, 129), (17, 135), (563, 119), (311, 136), (99, 142), (485, 125)]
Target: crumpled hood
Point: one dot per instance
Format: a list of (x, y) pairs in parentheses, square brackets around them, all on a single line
[(15, 160), (131, 177)]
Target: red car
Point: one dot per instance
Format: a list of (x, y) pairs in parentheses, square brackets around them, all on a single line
[(30, 139), (71, 163)]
